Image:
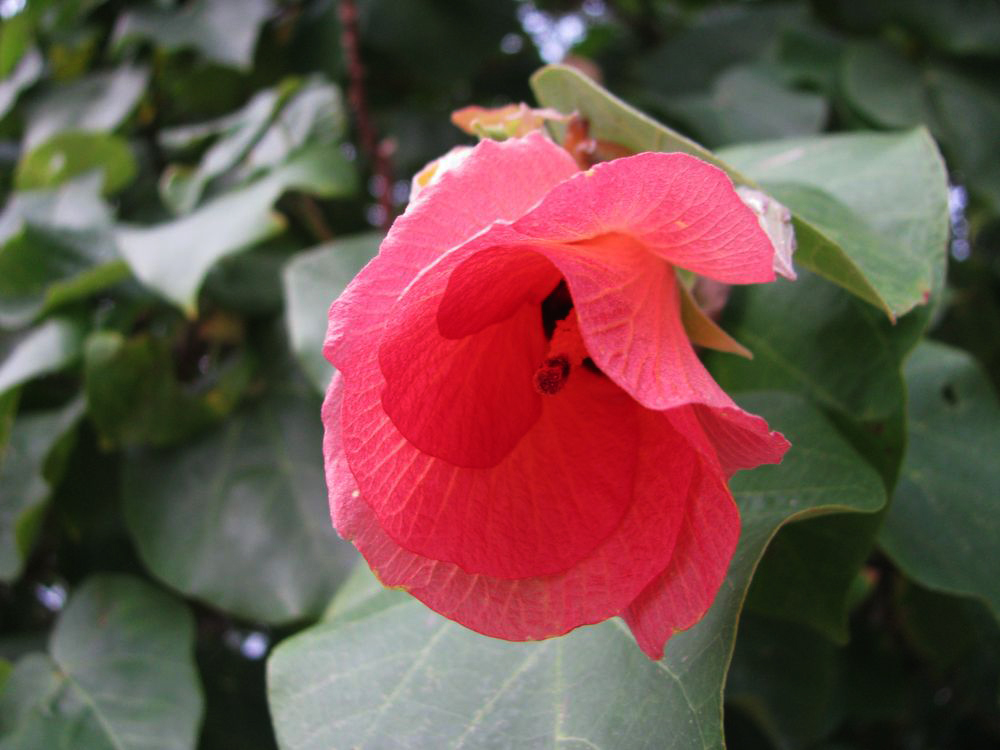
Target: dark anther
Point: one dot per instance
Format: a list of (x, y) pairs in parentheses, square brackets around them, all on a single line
[(551, 376), (555, 307)]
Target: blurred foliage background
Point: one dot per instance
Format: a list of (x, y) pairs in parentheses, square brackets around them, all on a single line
[(189, 184)]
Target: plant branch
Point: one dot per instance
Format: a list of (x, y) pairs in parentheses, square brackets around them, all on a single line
[(376, 151)]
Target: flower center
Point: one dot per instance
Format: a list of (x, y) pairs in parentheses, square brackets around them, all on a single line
[(551, 375), (566, 352)]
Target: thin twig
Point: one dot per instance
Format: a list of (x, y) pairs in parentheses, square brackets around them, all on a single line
[(377, 153)]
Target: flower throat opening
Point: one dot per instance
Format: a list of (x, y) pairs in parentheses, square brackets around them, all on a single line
[(566, 348)]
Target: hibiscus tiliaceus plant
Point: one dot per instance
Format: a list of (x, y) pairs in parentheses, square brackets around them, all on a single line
[(520, 432)]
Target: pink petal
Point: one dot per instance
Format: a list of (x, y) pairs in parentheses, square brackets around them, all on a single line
[(678, 207), (553, 498), (740, 440), (466, 400), (681, 595), (628, 306), (626, 300), (538, 606), (464, 201)]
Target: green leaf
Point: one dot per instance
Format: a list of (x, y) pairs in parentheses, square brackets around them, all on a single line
[(702, 330), (249, 284), (241, 127), (42, 350), (871, 211), (221, 30), (28, 70), (892, 91), (238, 518), (56, 246), (97, 102), (313, 114), (43, 269), (713, 41), (173, 258), (8, 408), (182, 187), (841, 353), (135, 398), (361, 595), (29, 468), (941, 628), (312, 281), (969, 117), (810, 337), (746, 104), (49, 270), (810, 55), (942, 527), (72, 153), (967, 28), (16, 35), (120, 675), (567, 90), (808, 574), (881, 198), (398, 673), (884, 86), (75, 206), (787, 679), (272, 126)]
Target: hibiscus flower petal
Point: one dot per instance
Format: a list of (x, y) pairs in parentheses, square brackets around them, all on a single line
[(681, 595), (467, 400), (680, 208), (626, 301), (558, 494), (464, 201), (628, 306), (538, 606), (740, 440)]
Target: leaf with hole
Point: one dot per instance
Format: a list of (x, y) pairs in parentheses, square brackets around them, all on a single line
[(942, 527)]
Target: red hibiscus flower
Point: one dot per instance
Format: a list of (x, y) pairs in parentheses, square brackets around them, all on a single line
[(520, 433)]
